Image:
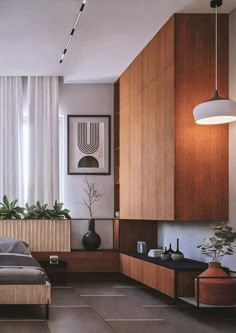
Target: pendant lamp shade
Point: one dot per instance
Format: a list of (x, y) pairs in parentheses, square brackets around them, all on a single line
[(217, 110)]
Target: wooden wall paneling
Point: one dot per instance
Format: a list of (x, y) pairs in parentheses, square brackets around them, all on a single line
[(132, 231), (136, 191), (149, 63), (165, 281), (149, 152), (135, 69), (164, 40), (125, 87), (201, 152), (165, 164), (116, 234), (86, 261), (125, 161)]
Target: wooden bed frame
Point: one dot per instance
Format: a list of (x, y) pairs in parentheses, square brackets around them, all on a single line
[(27, 294)]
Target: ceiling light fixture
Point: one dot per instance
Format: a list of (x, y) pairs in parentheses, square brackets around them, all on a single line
[(217, 110), (73, 30)]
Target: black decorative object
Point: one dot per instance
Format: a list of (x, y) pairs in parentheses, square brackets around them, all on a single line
[(165, 255), (170, 250), (177, 255), (91, 239)]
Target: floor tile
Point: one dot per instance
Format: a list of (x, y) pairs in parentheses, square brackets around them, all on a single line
[(74, 320), (148, 296), (140, 327), (198, 320), (96, 289), (24, 327), (119, 308), (67, 296)]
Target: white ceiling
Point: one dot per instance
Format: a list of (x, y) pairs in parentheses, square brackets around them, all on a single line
[(110, 34)]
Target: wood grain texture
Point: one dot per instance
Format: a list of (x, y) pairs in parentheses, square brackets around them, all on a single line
[(165, 282), (85, 261), (25, 294), (117, 145), (185, 283), (116, 234), (135, 189), (125, 170), (132, 231), (201, 152), (138, 270), (41, 235), (158, 148)]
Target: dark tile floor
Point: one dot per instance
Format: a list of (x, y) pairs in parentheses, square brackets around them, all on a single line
[(107, 307)]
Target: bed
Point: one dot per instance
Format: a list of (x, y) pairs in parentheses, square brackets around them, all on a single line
[(22, 279)]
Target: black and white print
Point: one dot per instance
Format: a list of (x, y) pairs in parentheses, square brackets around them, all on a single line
[(88, 144)]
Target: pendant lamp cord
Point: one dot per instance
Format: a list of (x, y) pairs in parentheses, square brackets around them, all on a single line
[(216, 48)]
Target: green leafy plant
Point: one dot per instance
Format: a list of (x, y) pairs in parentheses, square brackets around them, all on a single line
[(220, 244), (58, 212), (41, 211), (10, 210)]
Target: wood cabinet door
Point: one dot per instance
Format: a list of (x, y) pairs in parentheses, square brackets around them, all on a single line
[(149, 274), (165, 280), (125, 169)]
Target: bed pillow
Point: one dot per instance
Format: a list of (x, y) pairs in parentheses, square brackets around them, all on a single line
[(13, 245)]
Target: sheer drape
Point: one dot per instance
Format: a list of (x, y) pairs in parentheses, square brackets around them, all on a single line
[(43, 139), (11, 128)]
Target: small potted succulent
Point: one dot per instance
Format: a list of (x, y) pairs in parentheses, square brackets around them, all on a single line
[(217, 291)]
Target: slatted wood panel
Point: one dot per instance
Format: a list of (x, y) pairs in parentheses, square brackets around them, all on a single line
[(25, 294), (85, 261), (41, 235), (201, 152)]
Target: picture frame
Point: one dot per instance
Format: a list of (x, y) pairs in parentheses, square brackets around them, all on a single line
[(88, 144)]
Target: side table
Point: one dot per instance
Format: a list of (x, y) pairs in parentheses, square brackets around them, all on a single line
[(60, 269)]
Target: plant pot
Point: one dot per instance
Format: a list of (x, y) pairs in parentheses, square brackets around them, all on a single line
[(216, 291), (91, 240)]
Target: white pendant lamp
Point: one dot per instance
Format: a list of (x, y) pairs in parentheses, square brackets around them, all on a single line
[(217, 110)]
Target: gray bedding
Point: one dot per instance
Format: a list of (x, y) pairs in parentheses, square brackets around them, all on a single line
[(20, 269)]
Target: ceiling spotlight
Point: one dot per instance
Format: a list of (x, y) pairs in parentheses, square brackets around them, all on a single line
[(73, 30)]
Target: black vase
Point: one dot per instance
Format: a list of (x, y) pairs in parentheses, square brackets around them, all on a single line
[(177, 255), (91, 239)]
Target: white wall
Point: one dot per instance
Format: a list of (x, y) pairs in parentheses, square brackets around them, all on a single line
[(191, 234), (88, 99)]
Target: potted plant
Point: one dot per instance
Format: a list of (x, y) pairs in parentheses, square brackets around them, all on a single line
[(219, 289), (10, 210), (91, 240), (43, 228)]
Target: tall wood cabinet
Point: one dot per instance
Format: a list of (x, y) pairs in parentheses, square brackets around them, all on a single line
[(170, 167)]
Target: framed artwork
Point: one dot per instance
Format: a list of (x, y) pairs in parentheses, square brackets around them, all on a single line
[(88, 145)]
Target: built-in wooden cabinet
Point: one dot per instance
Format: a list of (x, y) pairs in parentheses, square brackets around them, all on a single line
[(170, 167), (172, 282)]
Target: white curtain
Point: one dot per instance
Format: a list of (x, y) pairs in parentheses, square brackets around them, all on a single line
[(43, 139), (11, 127)]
